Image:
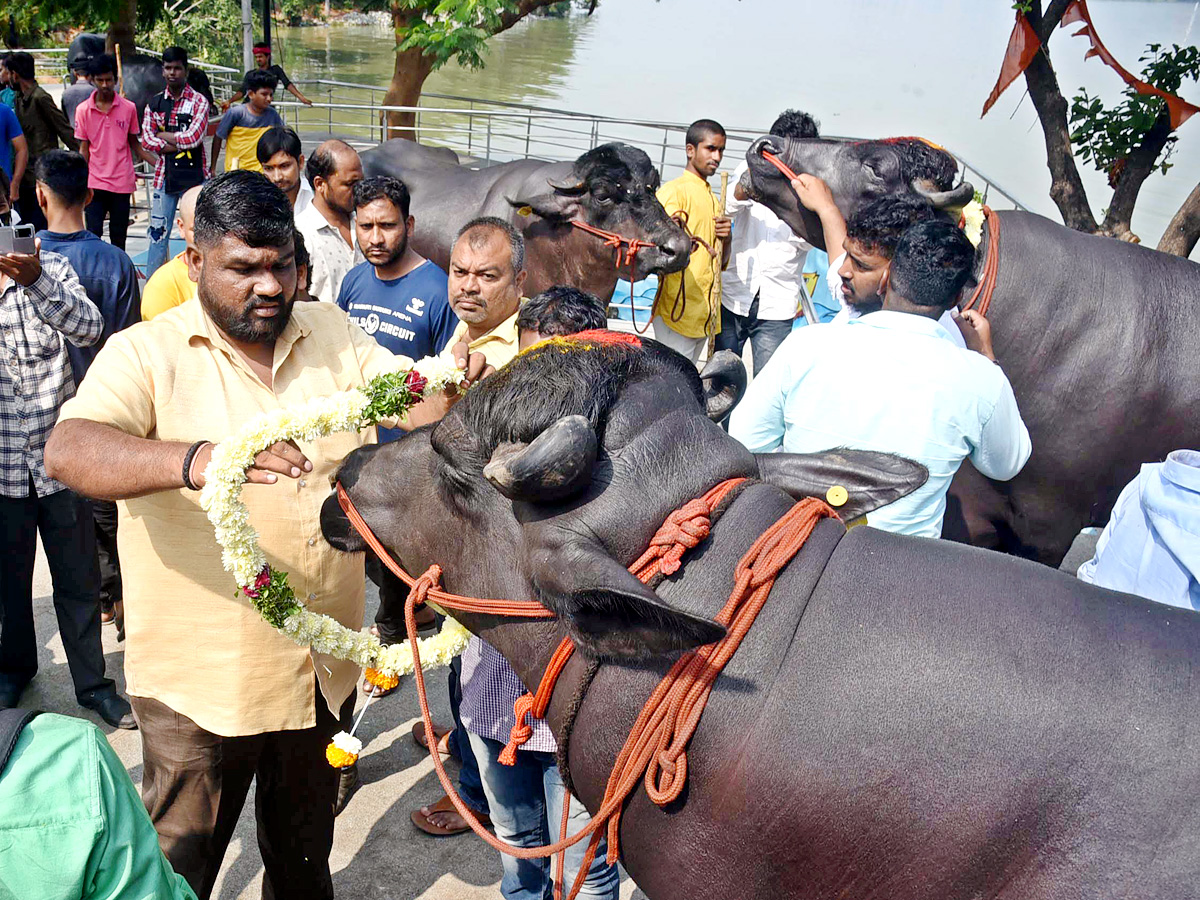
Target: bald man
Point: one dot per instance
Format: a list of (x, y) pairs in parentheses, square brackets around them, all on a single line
[(327, 223), (170, 285)]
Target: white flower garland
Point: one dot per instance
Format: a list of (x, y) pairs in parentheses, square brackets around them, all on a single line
[(384, 397), (972, 221)]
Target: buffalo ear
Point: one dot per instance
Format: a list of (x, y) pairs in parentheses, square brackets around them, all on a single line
[(869, 479), (724, 378), (612, 615), (556, 205)]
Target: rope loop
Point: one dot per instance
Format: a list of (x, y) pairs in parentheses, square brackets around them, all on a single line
[(520, 732)]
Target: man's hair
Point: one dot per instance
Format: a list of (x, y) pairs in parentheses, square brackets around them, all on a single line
[(792, 123), (560, 310), (175, 55), (932, 263), (246, 205), (476, 230), (261, 47), (322, 162), (278, 138), (102, 64), (65, 174), (382, 186), (700, 129), (21, 65), (878, 224), (302, 257), (257, 80)]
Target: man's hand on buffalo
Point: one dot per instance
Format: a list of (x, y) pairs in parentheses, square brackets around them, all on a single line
[(814, 193), (977, 332)]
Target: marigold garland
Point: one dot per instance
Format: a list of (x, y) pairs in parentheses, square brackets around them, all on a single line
[(387, 396)]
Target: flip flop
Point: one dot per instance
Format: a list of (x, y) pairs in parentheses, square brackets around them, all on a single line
[(444, 805), (443, 737)]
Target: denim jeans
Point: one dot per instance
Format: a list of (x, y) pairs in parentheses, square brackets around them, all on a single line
[(470, 785), (526, 808), (765, 335), (162, 221)]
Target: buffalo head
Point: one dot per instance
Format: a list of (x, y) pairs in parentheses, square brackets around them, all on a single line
[(549, 478), (856, 172), (612, 187)]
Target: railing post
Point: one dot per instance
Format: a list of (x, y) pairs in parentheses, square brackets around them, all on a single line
[(662, 166), (329, 106), (528, 128), (488, 151)]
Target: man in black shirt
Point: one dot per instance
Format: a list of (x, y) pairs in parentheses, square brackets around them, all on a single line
[(262, 60)]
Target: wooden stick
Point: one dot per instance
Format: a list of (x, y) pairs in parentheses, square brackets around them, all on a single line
[(714, 308)]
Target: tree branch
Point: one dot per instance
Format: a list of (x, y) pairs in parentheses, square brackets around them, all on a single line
[(524, 8), (1138, 167), (1066, 188), (1181, 235)]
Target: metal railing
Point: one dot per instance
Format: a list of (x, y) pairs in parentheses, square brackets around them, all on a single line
[(486, 132)]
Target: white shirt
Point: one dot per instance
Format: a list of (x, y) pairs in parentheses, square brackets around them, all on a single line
[(303, 196), (329, 254), (849, 313), (766, 258), (891, 382)]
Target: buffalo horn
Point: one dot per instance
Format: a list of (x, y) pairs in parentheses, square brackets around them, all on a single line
[(724, 379), (573, 186), (953, 199), (557, 464)]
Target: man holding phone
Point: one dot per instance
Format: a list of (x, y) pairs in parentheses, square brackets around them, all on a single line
[(42, 307)]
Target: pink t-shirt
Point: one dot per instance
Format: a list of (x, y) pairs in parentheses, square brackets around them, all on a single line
[(110, 164)]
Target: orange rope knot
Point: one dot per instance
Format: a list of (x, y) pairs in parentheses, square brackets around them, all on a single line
[(683, 530)]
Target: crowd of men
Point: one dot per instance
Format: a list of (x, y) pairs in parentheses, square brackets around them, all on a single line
[(227, 333)]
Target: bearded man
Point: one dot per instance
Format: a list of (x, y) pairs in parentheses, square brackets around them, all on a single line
[(221, 697)]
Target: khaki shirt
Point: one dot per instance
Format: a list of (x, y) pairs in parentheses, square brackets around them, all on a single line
[(498, 346), (192, 642), (695, 314)]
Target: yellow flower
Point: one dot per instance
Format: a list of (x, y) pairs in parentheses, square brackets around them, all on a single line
[(381, 680)]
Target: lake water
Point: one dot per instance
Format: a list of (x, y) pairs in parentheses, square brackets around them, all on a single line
[(868, 68)]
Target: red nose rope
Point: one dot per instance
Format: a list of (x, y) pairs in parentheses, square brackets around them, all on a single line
[(991, 265), (655, 752)]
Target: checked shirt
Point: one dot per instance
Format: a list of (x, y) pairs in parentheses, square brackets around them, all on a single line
[(191, 102), (35, 371), (489, 689)]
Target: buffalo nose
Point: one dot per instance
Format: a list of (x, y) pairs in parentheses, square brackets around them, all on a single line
[(677, 248), (769, 143)]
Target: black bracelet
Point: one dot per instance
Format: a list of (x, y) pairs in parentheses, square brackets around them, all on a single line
[(188, 459)]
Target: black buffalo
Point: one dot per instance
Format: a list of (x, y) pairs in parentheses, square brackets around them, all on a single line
[(141, 74), (610, 187), (908, 718), (1096, 335)]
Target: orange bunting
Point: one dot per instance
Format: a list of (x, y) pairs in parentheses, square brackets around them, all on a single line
[(1023, 44)]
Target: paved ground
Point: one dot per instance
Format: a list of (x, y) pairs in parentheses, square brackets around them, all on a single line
[(377, 853)]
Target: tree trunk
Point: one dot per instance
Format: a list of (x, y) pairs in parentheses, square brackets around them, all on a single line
[(1066, 187), (1181, 235), (122, 31), (327, 11), (1138, 167), (408, 77)]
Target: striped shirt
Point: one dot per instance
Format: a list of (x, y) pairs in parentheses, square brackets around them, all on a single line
[(490, 687), (191, 104), (35, 377)]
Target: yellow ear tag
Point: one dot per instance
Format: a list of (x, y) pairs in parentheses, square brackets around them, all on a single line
[(525, 211), (837, 496)]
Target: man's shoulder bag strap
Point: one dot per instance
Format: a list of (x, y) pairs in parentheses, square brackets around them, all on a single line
[(11, 723)]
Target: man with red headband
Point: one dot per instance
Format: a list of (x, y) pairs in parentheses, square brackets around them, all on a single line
[(262, 62)]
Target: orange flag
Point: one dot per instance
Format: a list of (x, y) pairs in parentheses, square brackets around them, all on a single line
[(1178, 108), (1022, 45)]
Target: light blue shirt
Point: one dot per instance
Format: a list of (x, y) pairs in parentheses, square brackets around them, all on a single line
[(892, 382), (1151, 545)]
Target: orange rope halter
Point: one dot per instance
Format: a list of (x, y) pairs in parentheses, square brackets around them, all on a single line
[(991, 265), (627, 249), (656, 750)]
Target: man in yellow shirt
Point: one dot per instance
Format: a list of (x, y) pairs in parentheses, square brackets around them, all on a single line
[(687, 309), (170, 285), (221, 697)]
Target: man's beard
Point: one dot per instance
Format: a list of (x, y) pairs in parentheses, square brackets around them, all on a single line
[(244, 326), (395, 254)]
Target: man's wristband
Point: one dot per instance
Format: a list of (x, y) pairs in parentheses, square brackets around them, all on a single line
[(188, 459)]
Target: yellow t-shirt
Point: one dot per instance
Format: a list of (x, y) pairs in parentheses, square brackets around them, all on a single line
[(241, 128), (697, 313), (168, 287), (499, 346)]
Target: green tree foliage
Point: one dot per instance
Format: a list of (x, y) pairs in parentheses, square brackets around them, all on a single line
[(1105, 136), (34, 21)]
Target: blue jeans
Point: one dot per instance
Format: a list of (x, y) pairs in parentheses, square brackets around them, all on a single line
[(470, 786), (765, 335), (162, 221), (526, 808)]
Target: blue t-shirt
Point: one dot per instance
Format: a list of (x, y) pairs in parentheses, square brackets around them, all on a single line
[(9, 128), (409, 315)]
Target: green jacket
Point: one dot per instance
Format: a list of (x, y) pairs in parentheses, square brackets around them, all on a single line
[(72, 826), (44, 125)]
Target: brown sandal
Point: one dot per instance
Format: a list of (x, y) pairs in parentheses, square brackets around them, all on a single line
[(442, 735), (421, 820)]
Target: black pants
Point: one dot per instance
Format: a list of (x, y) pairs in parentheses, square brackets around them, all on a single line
[(116, 207), (104, 516), (194, 785), (27, 205), (64, 520)]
